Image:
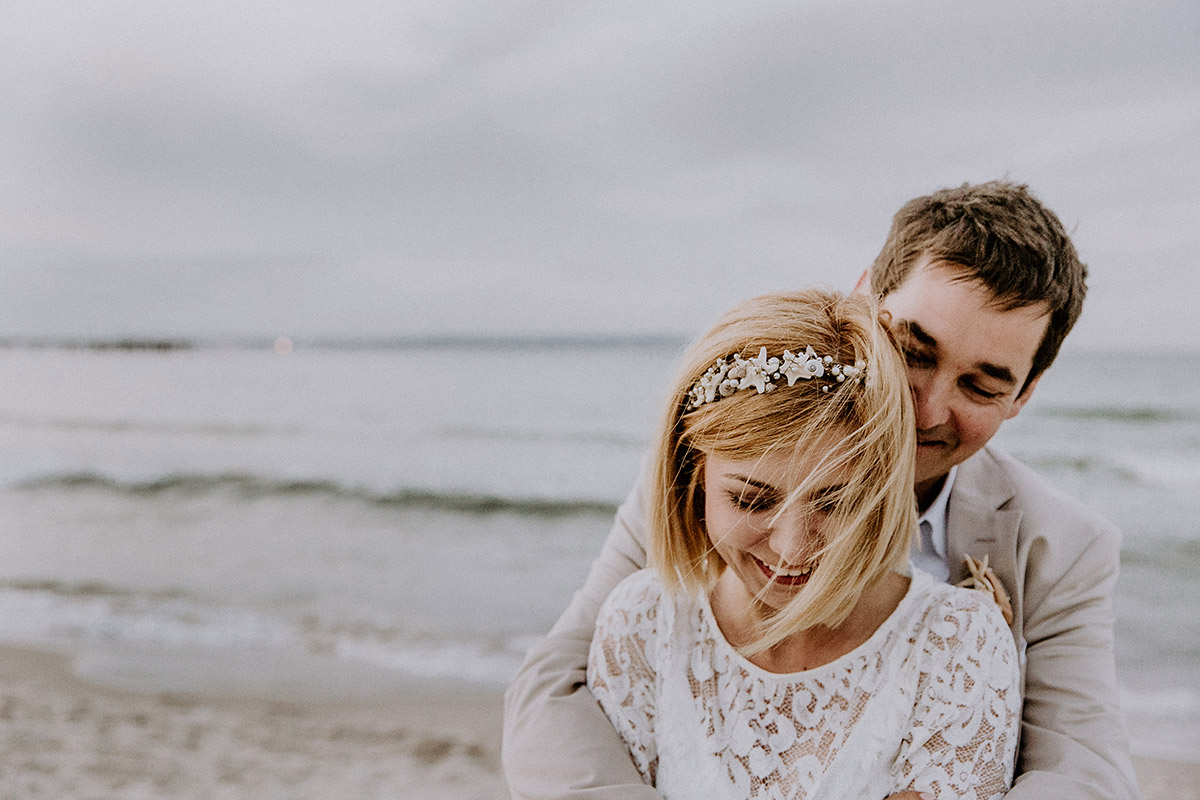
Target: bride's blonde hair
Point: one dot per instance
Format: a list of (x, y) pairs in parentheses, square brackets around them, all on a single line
[(872, 515)]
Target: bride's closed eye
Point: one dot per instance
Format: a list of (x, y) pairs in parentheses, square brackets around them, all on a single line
[(751, 502), (825, 502)]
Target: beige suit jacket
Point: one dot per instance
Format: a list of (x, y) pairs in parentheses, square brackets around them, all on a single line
[(1057, 559)]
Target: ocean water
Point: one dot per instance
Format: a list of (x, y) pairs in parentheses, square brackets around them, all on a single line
[(425, 510)]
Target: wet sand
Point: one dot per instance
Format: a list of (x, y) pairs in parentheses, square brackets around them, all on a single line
[(62, 736)]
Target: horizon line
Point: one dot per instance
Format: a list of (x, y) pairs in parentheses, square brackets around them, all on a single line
[(349, 342)]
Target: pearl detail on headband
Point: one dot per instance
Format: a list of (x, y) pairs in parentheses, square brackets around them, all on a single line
[(734, 373)]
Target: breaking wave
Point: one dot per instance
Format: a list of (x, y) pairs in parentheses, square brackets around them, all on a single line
[(74, 615), (1148, 415), (250, 487)]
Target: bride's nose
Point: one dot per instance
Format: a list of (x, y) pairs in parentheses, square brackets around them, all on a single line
[(793, 535)]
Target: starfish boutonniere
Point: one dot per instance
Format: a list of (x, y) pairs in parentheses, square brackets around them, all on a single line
[(983, 578)]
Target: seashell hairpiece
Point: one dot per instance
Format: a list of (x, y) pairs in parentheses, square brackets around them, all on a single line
[(734, 373)]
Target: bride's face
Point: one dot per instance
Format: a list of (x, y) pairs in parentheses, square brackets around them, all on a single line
[(770, 544)]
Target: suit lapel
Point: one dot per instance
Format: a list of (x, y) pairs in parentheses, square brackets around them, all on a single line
[(977, 525)]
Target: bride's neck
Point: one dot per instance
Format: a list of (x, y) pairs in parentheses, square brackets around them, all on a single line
[(739, 617)]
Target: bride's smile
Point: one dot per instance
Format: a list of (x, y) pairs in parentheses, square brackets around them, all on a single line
[(766, 517)]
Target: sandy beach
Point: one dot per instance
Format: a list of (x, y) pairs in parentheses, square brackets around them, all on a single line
[(62, 737), (65, 737)]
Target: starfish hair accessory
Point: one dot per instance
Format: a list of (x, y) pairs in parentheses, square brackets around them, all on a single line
[(734, 373)]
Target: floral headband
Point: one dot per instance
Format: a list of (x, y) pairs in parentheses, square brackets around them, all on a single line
[(734, 373)]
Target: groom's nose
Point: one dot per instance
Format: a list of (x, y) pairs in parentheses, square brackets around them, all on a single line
[(931, 400)]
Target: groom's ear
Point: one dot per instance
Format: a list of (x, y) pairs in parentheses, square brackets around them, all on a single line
[(864, 283), (1023, 397)]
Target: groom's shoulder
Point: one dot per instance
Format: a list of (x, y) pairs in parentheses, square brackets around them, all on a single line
[(1042, 505)]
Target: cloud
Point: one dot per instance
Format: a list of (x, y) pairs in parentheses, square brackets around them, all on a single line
[(411, 164)]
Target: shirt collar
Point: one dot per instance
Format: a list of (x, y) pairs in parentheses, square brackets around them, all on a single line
[(936, 514)]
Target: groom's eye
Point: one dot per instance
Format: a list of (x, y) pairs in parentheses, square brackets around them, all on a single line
[(982, 392)]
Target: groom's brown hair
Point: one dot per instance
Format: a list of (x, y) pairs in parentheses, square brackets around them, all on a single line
[(999, 234)]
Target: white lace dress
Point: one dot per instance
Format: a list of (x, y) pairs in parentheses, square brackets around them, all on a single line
[(930, 702)]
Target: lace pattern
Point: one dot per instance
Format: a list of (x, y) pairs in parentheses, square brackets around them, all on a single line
[(929, 702)]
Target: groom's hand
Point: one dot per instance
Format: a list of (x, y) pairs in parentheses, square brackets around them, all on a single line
[(910, 796)]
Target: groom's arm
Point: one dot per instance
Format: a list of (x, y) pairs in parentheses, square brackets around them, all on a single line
[(1073, 743), (558, 743)]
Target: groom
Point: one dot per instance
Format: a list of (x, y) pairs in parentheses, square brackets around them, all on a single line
[(982, 285)]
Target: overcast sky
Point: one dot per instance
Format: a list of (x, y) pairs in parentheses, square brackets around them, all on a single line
[(361, 168)]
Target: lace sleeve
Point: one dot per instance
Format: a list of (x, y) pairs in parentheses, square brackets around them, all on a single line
[(968, 706), (621, 666)]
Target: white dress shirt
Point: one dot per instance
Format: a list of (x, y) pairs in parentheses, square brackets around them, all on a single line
[(929, 545)]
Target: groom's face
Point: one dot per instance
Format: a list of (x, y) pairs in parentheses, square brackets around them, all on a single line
[(967, 359)]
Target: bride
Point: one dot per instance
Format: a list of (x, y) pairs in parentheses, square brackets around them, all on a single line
[(780, 645)]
